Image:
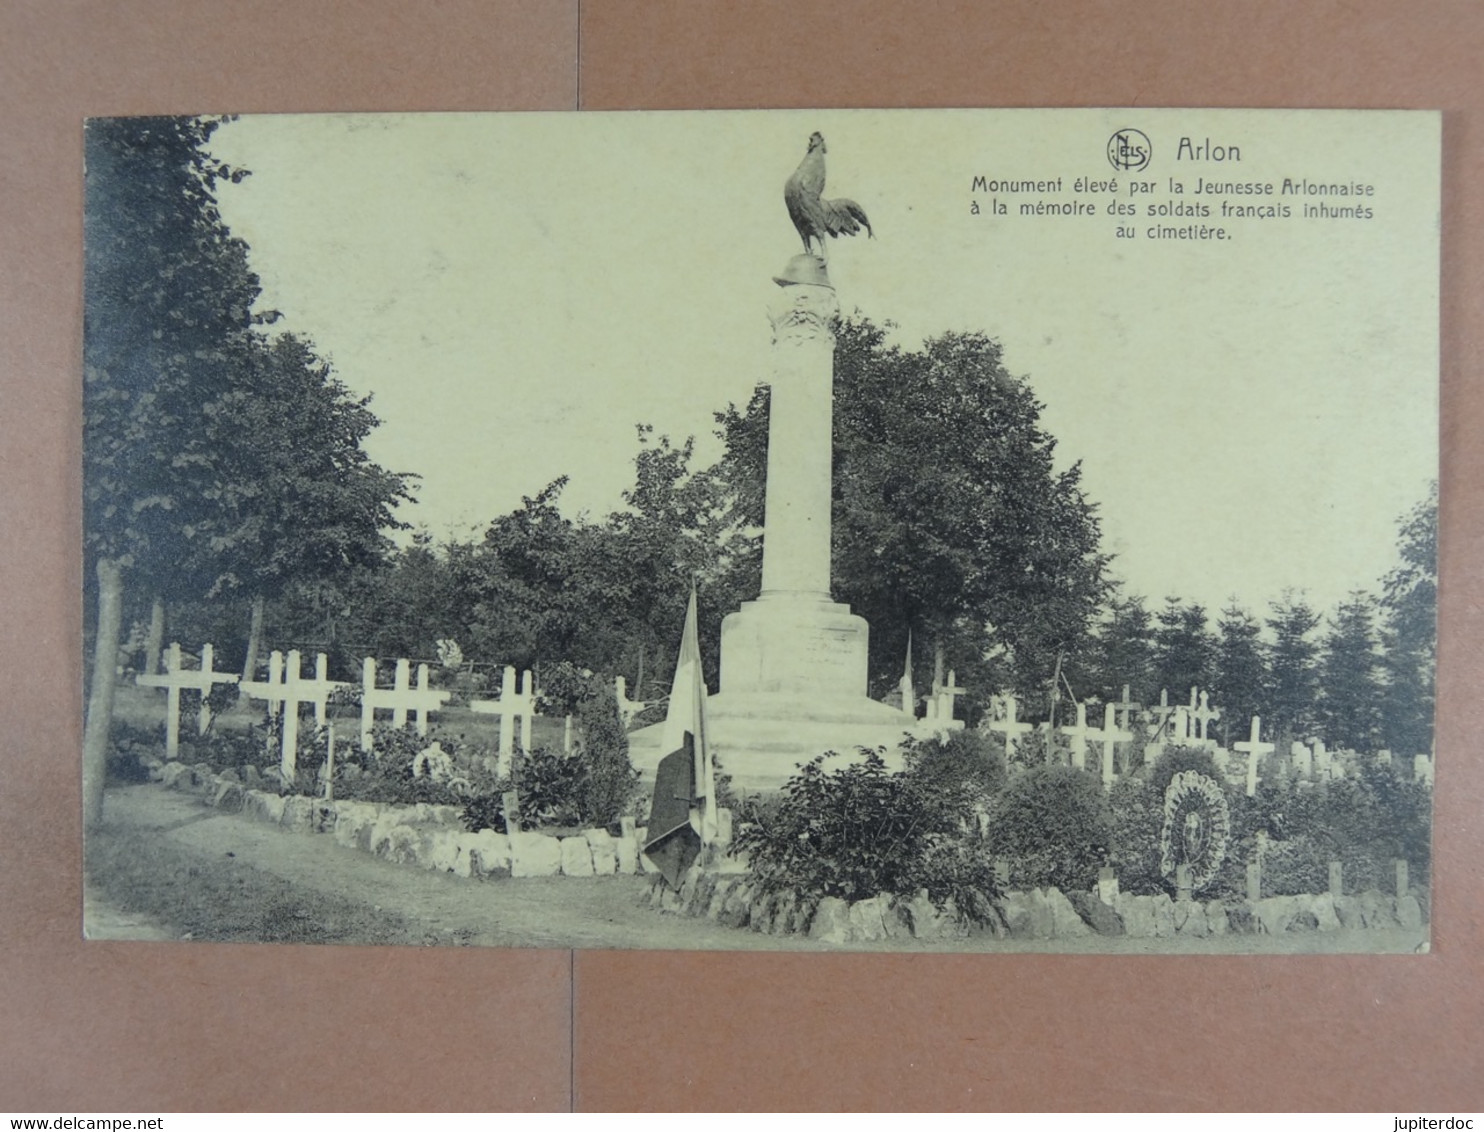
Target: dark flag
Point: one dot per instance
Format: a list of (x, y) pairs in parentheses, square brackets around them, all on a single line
[(682, 819), (673, 843)]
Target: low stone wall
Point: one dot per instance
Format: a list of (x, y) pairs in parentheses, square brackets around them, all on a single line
[(1038, 914), (424, 835)]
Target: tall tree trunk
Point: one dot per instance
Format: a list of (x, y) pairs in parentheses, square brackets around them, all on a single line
[(156, 639), (254, 639), (100, 696)]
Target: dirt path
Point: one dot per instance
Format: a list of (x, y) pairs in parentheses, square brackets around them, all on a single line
[(165, 865)]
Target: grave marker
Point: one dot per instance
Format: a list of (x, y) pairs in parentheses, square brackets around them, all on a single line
[(173, 680), (1109, 736), (1126, 708), (1336, 879), (297, 690), (1205, 715), (1254, 881), (940, 704), (1009, 726), (627, 708), (1078, 734), (400, 698), (511, 802), (516, 699), (1108, 884), (1254, 750)]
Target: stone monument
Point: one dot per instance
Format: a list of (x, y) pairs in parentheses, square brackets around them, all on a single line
[(793, 662)]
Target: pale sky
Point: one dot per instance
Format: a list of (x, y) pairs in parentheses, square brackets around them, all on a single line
[(519, 291)]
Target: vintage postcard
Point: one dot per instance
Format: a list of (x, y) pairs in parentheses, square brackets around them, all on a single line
[(966, 530)]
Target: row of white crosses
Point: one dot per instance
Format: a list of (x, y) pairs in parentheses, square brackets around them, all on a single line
[(1117, 727)]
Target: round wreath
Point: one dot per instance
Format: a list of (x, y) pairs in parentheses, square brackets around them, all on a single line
[(1197, 827)]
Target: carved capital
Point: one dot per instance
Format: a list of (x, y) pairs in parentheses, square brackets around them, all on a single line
[(804, 312)]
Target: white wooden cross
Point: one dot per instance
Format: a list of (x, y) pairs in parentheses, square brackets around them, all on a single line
[(1009, 727), (1205, 715), (1126, 709), (269, 690), (173, 680), (1161, 713), (627, 708), (515, 700), (941, 704), (1254, 750), (298, 690), (1078, 734), (1110, 735), (401, 698)]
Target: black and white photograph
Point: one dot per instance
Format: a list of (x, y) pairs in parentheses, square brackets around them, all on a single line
[(940, 531)]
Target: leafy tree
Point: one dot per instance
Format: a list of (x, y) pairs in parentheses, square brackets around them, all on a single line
[(1292, 672), (1240, 677), (949, 518), (296, 497), (1409, 632), (167, 332), (1349, 677)]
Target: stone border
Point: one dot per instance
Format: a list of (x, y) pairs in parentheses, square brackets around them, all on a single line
[(419, 834), (429, 836), (1046, 913)]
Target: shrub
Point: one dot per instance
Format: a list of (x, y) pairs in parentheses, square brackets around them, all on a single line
[(552, 787), (857, 830), (1136, 817), (967, 761), (129, 747), (611, 780), (1177, 759), (1052, 825), (1296, 866)]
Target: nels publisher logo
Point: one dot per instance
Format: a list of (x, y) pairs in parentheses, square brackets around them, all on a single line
[(1129, 151)]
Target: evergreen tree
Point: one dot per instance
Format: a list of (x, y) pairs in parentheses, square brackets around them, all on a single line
[(1409, 633), (1183, 649), (1349, 677), (1240, 671), (1293, 677), (1124, 652)]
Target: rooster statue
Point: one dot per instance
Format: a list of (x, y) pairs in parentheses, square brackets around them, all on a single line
[(813, 216)]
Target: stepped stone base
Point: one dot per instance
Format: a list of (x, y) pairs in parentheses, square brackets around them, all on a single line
[(760, 738)]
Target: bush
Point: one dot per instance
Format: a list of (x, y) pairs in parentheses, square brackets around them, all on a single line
[(129, 747), (1137, 815), (611, 780), (1293, 867), (855, 831), (967, 761), (1052, 825), (1177, 759)]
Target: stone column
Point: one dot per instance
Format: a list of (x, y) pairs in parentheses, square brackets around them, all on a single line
[(796, 523)]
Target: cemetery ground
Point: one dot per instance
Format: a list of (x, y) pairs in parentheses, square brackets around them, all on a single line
[(166, 865)]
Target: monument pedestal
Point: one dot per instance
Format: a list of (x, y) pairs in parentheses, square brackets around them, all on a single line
[(791, 643)]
